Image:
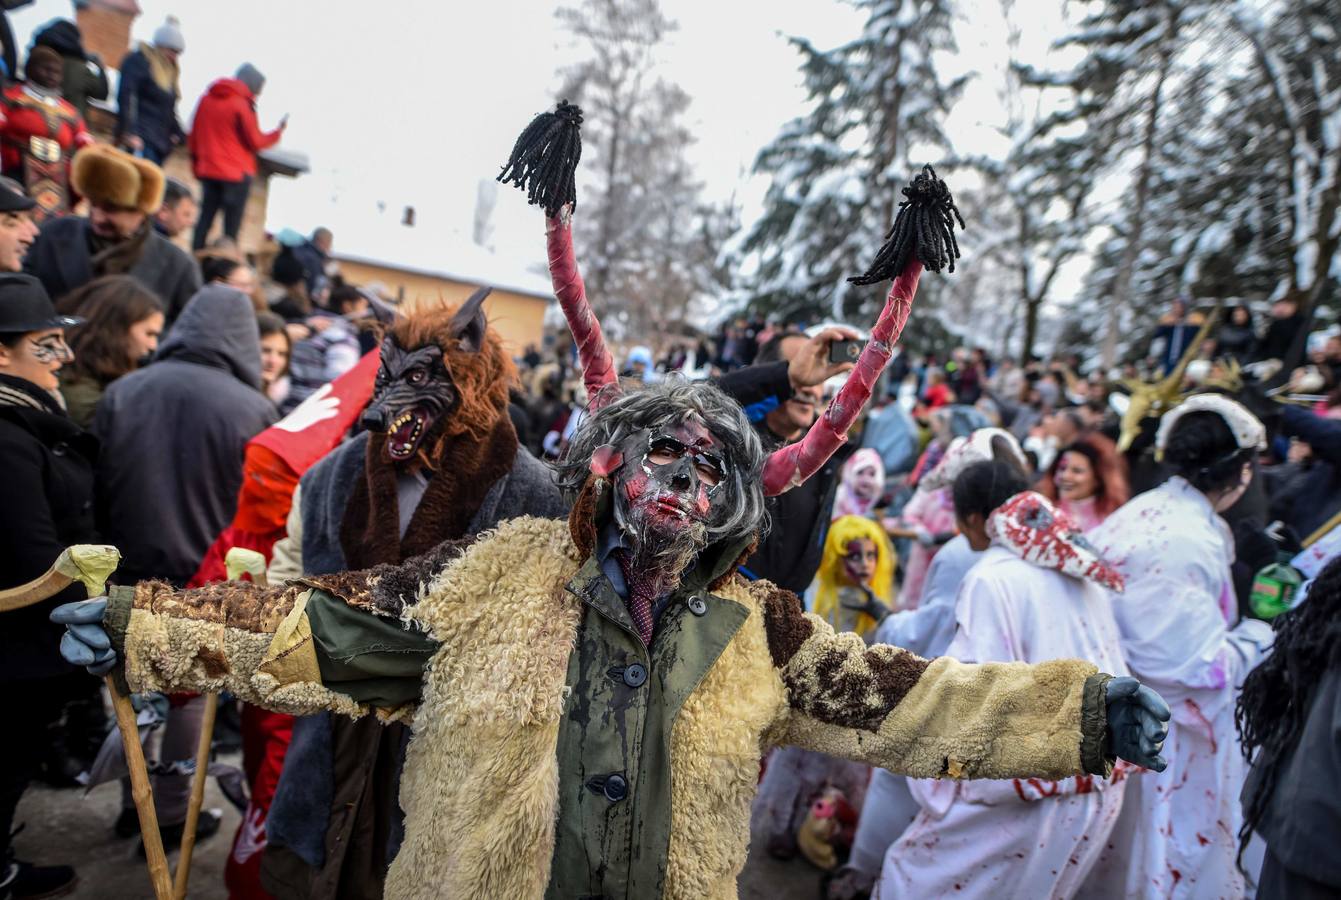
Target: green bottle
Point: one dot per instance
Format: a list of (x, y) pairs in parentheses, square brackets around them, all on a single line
[(1273, 590)]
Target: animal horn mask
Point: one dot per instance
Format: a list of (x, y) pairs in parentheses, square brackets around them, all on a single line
[(543, 162)]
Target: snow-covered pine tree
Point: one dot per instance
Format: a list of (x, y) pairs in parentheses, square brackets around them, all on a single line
[(641, 219), (837, 171), (1135, 57)]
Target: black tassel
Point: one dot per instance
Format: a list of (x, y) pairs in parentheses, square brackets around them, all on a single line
[(544, 159), (925, 225)]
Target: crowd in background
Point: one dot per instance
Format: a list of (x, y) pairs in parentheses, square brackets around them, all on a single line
[(133, 372)]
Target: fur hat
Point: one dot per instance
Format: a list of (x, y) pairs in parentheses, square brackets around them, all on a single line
[(111, 177)]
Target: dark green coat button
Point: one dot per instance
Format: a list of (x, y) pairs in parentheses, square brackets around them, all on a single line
[(635, 675), (697, 606)]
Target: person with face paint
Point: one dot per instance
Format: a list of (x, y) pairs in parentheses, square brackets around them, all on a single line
[(46, 498), (1180, 634), (40, 132), (122, 325), (1038, 592)]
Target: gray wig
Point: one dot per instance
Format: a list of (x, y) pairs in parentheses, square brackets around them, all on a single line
[(667, 403)]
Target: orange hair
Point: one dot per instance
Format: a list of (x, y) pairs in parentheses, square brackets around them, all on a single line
[(482, 378)]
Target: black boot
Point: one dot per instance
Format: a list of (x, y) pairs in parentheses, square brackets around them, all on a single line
[(25, 881), (206, 828)]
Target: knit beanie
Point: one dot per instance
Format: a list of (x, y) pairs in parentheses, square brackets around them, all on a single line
[(251, 77), (169, 35)]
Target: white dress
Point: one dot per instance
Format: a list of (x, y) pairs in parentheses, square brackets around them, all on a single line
[(1178, 836), (1018, 837)]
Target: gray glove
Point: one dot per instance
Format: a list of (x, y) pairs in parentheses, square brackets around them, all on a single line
[(870, 604), (85, 642), (1138, 723)]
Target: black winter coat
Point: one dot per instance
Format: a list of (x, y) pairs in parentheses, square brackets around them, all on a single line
[(173, 437), (46, 504), (144, 109), (61, 260)]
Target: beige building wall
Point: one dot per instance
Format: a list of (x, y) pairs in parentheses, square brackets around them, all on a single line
[(519, 318)]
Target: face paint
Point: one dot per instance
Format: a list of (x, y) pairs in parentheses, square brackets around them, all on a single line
[(412, 396), (859, 560), (669, 487)]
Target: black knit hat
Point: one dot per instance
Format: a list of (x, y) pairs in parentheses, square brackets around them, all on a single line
[(13, 198), (25, 306)]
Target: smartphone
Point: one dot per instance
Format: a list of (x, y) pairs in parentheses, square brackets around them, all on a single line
[(844, 351)]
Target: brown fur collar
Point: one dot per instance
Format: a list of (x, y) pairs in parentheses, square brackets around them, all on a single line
[(462, 476)]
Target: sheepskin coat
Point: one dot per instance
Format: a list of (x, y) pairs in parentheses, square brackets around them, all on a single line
[(496, 797)]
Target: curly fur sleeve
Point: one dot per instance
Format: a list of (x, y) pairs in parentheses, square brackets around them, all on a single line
[(924, 718), (232, 636)]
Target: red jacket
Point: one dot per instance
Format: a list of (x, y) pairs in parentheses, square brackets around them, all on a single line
[(224, 136)]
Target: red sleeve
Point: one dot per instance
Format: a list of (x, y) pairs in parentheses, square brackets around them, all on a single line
[(252, 136)]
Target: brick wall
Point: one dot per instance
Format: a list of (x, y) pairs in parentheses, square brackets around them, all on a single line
[(105, 27)]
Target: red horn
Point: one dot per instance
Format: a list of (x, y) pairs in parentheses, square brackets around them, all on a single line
[(790, 466), (598, 367)]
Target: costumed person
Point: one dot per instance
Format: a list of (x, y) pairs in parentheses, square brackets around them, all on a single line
[(439, 462), (856, 573), (46, 501), (1087, 480), (83, 77), (147, 94), (929, 515), (275, 460), (117, 237), (1176, 835), (1038, 592), (927, 631), (1289, 717), (39, 134), (531, 657), (861, 486)]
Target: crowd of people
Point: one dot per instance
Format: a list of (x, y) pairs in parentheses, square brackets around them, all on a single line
[(176, 404)]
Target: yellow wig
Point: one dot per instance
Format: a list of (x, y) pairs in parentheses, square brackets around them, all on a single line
[(831, 577)]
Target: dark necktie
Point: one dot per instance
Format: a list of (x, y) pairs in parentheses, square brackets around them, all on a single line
[(640, 598)]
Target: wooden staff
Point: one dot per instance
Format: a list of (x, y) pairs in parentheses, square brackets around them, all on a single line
[(82, 562), (237, 561), (92, 565)]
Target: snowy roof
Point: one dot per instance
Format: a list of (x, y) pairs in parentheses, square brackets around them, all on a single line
[(378, 238)]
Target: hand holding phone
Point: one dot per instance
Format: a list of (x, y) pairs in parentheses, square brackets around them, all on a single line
[(844, 351)]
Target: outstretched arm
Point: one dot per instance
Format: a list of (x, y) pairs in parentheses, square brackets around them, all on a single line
[(337, 642), (941, 718)]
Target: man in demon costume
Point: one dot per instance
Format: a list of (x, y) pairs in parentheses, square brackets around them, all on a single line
[(590, 700), (440, 461)]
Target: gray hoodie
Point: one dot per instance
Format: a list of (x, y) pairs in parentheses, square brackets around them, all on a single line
[(173, 436)]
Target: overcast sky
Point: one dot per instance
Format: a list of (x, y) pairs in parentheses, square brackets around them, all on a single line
[(413, 102)]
